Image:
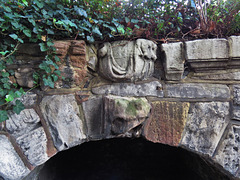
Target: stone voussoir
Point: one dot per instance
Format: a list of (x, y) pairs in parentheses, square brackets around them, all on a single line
[(12, 166), (205, 126), (166, 122), (61, 114)]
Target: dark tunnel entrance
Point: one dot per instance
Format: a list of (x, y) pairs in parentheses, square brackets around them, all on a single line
[(128, 159)]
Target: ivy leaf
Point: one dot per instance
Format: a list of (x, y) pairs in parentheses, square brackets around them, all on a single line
[(113, 29), (43, 47), (121, 29), (48, 82), (25, 2), (9, 98), (80, 11), (90, 39), (39, 4), (16, 24), (14, 36), (5, 74), (55, 78), (8, 9), (18, 107), (27, 32), (3, 115), (127, 20), (97, 31), (134, 21), (57, 72)]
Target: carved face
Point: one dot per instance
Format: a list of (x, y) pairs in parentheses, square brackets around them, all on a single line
[(147, 49)]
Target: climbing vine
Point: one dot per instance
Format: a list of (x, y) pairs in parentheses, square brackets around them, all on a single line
[(42, 22)]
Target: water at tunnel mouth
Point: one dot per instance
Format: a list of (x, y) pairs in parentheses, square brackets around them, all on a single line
[(128, 159)]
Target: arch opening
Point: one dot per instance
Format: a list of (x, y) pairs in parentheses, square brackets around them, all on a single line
[(129, 159)]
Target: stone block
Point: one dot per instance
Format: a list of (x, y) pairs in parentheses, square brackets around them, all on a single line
[(167, 122), (29, 99), (121, 61), (24, 77), (62, 47), (234, 46), (61, 113), (198, 91), (205, 126), (123, 114), (207, 49), (153, 88), (32, 49), (228, 153), (218, 75), (26, 121), (236, 94), (12, 167), (174, 60), (34, 146), (93, 109), (92, 57), (207, 54)]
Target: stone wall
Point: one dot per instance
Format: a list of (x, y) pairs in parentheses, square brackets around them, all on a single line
[(184, 94)]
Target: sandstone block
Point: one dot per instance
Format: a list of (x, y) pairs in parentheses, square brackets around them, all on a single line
[(197, 91), (174, 60), (205, 126), (153, 88), (207, 54), (228, 153), (93, 109), (61, 113), (127, 60), (234, 46), (207, 49), (12, 167), (167, 122), (125, 113)]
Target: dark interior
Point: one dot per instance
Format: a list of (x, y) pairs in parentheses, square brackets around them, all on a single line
[(129, 159)]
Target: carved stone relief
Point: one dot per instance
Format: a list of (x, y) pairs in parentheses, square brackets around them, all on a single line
[(127, 61)]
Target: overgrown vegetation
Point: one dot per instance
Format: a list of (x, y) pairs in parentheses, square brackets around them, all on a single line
[(41, 22)]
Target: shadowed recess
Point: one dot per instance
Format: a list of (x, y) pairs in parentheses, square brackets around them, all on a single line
[(128, 159)]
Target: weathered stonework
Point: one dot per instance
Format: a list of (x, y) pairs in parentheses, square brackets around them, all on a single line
[(127, 61), (30, 136), (197, 91), (167, 122), (12, 167), (123, 114), (207, 54), (173, 60), (109, 92), (205, 126), (61, 113), (93, 109), (228, 154), (153, 88)]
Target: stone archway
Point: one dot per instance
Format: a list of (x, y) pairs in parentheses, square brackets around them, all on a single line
[(198, 110), (129, 159)]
